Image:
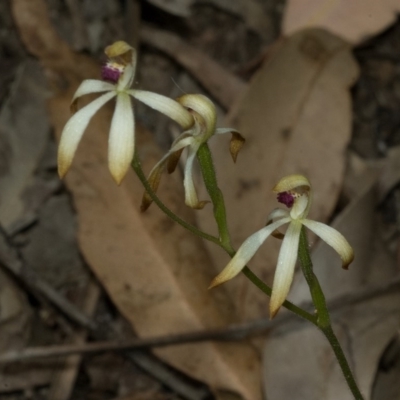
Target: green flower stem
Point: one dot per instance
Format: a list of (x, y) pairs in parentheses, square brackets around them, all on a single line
[(210, 179), (139, 172), (323, 319)]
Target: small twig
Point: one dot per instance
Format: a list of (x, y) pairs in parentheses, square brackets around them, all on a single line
[(232, 333)]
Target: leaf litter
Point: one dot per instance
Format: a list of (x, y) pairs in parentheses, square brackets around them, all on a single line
[(329, 79), (145, 263)]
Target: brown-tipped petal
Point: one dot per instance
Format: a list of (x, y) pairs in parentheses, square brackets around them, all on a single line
[(200, 205), (236, 144), (173, 160), (183, 140), (154, 181), (334, 239), (155, 174)]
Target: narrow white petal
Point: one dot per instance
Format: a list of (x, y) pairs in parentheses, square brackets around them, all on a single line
[(73, 131), (285, 267), (177, 146), (191, 198), (165, 105), (92, 86), (246, 252), (334, 238), (181, 143), (122, 138), (277, 214)]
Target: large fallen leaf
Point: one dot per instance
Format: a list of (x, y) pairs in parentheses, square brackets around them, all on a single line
[(364, 328), (296, 118), (156, 273), (354, 20)]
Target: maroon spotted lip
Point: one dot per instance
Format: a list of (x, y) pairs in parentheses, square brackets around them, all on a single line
[(110, 73), (286, 198)]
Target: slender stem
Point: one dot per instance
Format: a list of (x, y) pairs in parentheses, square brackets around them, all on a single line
[(317, 294), (323, 319), (210, 179), (139, 172)]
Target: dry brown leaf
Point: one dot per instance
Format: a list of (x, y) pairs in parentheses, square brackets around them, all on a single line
[(296, 118), (363, 329), (154, 271), (354, 20)]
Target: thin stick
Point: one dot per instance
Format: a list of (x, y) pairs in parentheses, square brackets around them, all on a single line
[(232, 333), (238, 332)]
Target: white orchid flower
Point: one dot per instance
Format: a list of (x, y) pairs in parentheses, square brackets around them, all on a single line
[(203, 111), (119, 73), (295, 192)]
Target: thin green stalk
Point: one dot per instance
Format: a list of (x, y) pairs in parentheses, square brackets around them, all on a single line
[(323, 319), (210, 179), (139, 172)]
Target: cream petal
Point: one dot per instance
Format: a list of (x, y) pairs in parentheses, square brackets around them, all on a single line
[(122, 138), (291, 182), (73, 131), (126, 79), (155, 174), (246, 252), (191, 198), (334, 239), (165, 105), (92, 86), (277, 213), (204, 107), (285, 267), (300, 206)]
